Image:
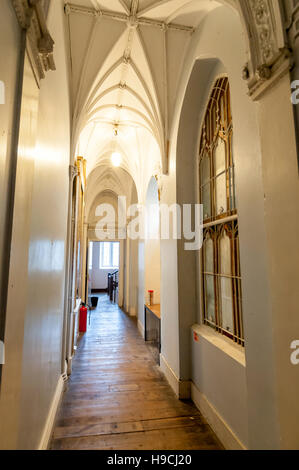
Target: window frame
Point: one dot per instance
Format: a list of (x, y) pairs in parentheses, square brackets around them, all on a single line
[(90, 256), (218, 126), (101, 267), (210, 135)]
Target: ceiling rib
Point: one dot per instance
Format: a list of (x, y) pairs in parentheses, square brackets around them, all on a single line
[(131, 20), (93, 101), (134, 7), (132, 92), (123, 107)]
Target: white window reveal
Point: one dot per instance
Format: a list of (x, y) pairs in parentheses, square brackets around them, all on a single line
[(109, 255), (90, 256)]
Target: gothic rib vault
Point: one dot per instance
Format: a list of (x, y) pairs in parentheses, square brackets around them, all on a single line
[(126, 64), (126, 57)]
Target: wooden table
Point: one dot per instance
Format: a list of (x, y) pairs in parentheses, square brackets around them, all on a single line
[(155, 312)]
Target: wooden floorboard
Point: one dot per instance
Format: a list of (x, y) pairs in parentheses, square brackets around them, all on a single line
[(117, 398)]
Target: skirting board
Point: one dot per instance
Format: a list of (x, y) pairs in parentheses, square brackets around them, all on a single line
[(180, 387), (141, 328), (132, 312), (48, 429), (222, 430)]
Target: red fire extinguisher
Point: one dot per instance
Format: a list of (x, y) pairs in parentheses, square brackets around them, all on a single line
[(83, 319)]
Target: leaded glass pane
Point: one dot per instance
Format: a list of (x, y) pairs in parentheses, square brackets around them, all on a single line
[(219, 156), (221, 200), (205, 170), (210, 299), (214, 121), (209, 255), (225, 255), (221, 277), (227, 304), (222, 109), (206, 201)]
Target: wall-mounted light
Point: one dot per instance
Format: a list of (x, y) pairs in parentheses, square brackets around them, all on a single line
[(116, 159)]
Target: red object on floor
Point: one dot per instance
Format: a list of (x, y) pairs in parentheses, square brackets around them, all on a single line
[(83, 320)]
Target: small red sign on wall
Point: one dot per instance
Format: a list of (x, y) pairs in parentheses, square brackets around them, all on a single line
[(196, 336)]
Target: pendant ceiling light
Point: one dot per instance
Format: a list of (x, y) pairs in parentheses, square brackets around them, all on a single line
[(116, 159), (116, 156)]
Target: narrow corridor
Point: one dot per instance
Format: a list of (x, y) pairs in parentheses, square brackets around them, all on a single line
[(118, 399)]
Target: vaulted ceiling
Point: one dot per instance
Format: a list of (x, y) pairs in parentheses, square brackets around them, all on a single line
[(126, 59)]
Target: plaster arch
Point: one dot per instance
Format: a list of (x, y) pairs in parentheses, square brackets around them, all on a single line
[(104, 178), (105, 196), (207, 59), (104, 185)]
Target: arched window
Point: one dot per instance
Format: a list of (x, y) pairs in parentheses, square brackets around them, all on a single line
[(221, 274)]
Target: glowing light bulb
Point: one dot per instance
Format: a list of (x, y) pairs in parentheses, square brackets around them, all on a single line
[(116, 159)]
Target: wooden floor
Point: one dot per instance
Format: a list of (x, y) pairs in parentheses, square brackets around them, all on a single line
[(117, 399)]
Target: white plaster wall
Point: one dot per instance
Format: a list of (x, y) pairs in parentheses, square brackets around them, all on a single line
[(133, 295), (152, 243), (281, 196), (219, 378), (11, 383), (103, 198), (45, 304), (9, 55), (131, 254), (222, 380), (9, 58), (269, 257), (152, 269), (221, 37), (99, 277), (141, 289), (169, 279), (36, 296)]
